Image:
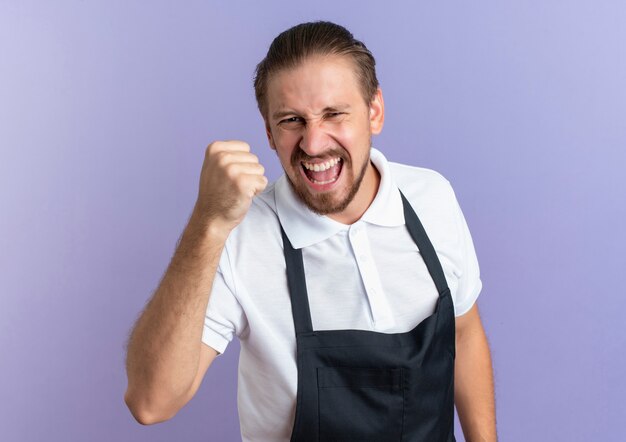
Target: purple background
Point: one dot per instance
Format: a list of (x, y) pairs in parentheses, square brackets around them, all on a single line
[(105, 112)]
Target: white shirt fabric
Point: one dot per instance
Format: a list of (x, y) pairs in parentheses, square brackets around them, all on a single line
[(367, 276)]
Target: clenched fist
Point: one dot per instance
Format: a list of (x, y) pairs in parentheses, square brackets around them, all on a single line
[(231, 176)]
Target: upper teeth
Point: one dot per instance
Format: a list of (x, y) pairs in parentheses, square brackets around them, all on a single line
[(319, 167)]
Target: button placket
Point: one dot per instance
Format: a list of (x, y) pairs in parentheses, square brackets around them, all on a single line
[(379, 306)]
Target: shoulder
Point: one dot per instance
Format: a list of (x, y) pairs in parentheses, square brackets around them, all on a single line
[(406, 173), (421, 185), (253, 256), (433, 199)]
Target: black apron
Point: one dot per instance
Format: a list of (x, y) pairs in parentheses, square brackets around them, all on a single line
[(360, 385)]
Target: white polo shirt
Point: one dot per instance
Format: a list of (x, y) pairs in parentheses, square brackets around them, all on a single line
[(368, 276)]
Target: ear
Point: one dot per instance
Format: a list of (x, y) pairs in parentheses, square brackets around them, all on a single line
[(270, 138), (377, 112)]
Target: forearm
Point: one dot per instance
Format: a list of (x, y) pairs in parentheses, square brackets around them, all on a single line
[(164, 347), (474, 390)]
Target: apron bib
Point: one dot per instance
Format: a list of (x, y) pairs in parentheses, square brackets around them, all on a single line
[(360, 385)]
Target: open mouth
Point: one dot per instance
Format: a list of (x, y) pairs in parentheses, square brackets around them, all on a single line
[(322, 173)]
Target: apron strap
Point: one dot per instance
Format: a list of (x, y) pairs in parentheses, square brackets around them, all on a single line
[(417, 232), (297, 287)]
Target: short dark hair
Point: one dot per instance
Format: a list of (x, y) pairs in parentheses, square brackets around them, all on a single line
[(293, 46)]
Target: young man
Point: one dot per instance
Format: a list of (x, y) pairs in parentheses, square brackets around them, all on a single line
[(351, 281)]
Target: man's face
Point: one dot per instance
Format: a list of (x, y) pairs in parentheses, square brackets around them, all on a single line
[(321, 128)]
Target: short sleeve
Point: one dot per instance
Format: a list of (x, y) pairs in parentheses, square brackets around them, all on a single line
[(469, 282), (224, 315)]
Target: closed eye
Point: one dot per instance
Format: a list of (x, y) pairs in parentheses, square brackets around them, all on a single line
[(335, 114), (290, 120), (330, 115)]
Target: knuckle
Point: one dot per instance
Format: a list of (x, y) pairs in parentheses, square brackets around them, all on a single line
[(213, 147), (242, 184), (222, 158), (231, 170), (236, 145)]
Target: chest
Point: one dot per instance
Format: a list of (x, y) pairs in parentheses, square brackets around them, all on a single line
[(373, 279), (369, 281)]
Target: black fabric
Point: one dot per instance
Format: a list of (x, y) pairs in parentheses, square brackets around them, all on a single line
[(360, 385)]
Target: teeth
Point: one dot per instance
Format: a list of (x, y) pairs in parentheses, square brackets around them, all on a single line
[(325, 182), (320, 167)]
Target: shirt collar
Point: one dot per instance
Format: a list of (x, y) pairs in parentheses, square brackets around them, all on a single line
[(304, 227)]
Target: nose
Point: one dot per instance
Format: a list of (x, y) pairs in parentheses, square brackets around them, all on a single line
[(315, 141)]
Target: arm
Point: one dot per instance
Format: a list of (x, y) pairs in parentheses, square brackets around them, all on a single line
[(166, 358), (473, 380), (164, 350)]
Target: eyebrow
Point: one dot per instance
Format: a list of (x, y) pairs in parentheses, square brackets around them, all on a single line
[(337, 108)]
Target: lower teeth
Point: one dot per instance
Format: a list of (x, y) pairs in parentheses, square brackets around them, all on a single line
[(323, 182)]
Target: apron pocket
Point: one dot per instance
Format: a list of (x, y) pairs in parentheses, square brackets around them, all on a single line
[(364, 404)]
